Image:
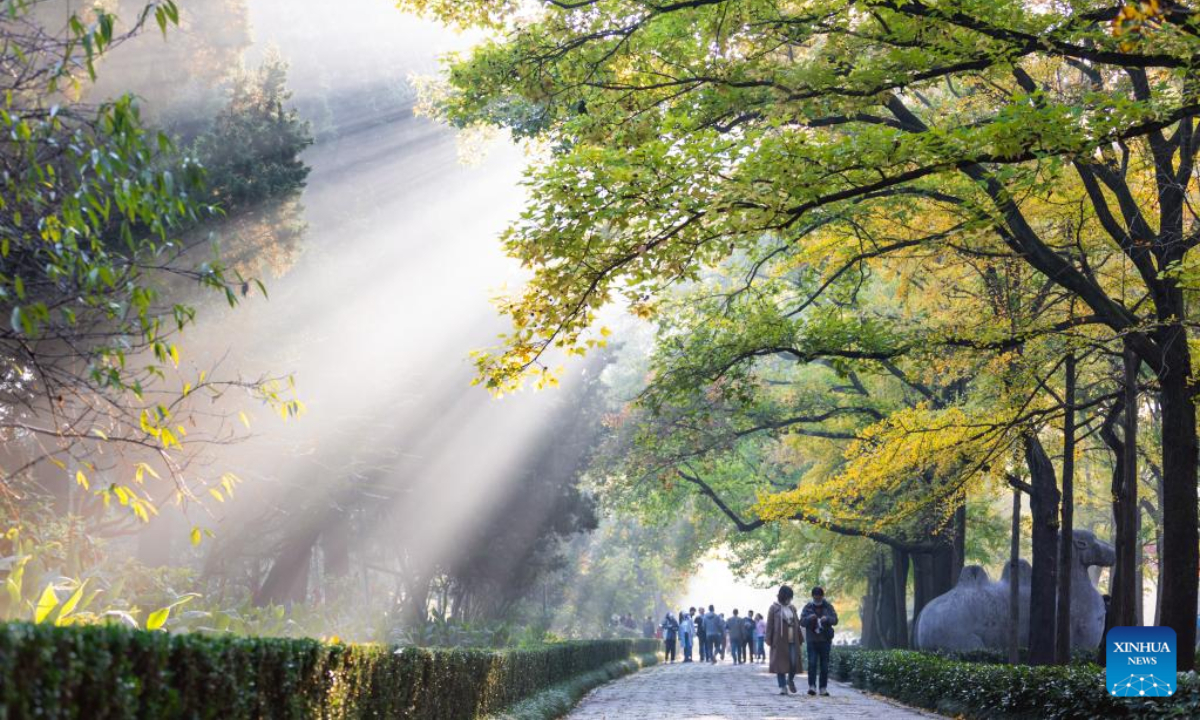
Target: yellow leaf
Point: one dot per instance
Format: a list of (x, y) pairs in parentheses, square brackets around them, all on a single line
[(245, 420), (217, 494), (143, 468), (158, 618), (46, 604), (197, 536), (69, 606), (81, 479)]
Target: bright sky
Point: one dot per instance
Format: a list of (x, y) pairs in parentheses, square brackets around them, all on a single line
[(715, 584)]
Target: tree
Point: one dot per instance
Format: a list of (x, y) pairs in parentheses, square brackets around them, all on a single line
[(681, 133), (94, 210)]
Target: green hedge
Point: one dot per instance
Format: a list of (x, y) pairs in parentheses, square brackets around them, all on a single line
[(995, 692), (559, 699), (101, 673)]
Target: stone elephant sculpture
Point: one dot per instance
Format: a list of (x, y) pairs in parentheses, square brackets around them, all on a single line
[(973, 615)]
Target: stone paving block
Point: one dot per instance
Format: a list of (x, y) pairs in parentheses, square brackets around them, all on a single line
[(699, 691)]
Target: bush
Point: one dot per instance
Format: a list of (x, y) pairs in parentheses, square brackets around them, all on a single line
[(558, 700), (994, 691), (109, 672), (1000, 657)]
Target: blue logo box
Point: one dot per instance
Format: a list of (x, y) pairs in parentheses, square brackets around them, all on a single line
[(1140, 661)]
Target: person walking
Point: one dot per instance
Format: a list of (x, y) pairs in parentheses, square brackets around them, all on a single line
[(648, 629), (670, 628), (734, 626), (723, 638), (818, 619), (747, 634), (714, 630), (687, 631), (784, 637), (760, 632)]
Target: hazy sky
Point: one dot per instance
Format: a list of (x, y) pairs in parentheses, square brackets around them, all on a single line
[(715, 584)]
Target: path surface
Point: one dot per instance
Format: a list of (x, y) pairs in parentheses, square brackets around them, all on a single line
[(698, 691)]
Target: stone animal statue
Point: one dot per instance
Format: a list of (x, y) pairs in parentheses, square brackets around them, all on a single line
[(974, 614)]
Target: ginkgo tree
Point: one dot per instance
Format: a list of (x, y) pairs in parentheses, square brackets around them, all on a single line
[(874, 412), (677, 134)]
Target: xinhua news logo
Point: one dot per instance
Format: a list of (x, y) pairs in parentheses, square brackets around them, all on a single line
[(1140, 661)]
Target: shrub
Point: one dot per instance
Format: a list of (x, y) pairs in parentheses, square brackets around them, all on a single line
[(109, 672), (995, 691)]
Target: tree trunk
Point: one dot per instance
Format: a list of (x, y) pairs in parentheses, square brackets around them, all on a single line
[(1043, 585), (885, 611), (1158, 540), (287, 582), (1139, 577), (959, 544), (900, 593), (1062, 649), (1125, 510), (922, 567), (1180, 551), (867, 613), (1014, 583), (942, 571)]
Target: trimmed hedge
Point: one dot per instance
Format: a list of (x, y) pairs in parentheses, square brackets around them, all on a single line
[(1002, 692), (110, 672), (558, 700)]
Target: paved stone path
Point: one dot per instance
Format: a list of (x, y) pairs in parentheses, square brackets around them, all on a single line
[(699, 691)]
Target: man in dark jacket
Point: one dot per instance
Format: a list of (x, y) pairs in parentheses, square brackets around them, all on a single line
[(714, 630), (748, 636), (818, 618), (735, 627)]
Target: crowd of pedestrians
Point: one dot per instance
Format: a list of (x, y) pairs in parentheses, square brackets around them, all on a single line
[(745, 637)]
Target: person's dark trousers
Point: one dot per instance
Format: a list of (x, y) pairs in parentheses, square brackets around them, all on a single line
[(747, 651), (669, 649), (794, 665), (713, 642), (818, 665), (762, 650), (686, 639), (733, 652), (702, 641)]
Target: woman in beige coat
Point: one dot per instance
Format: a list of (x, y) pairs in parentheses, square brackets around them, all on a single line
[(784, 635)]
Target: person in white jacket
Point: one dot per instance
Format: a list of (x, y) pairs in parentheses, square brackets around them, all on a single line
[(687, 631)]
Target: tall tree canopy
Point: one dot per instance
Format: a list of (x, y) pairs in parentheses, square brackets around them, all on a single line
[(681, 134)]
